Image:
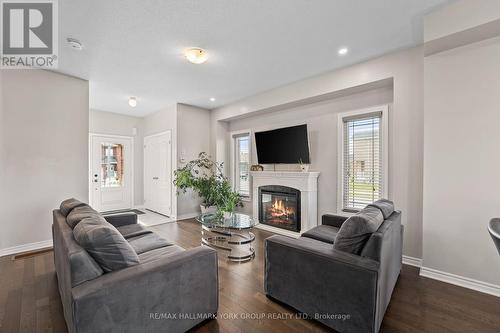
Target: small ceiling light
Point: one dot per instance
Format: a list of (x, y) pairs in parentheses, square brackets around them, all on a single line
[(343, 51), (212, 99), (74, 43), (132, 101), (196, 55)]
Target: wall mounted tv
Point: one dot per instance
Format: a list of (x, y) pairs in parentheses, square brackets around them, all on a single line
[(287, 145)]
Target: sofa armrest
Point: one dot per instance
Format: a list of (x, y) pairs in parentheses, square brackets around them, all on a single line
[(333, 220), (121, 219), (151, 297), (320, 281)]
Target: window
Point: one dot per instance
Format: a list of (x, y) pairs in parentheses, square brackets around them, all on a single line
[(362, 159), (111, 165), (241, 163)]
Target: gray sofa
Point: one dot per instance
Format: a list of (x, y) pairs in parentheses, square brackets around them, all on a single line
[(163, 287), (346, 286)]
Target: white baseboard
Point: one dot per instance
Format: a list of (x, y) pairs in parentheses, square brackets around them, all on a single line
[(25, 247), (187, 216), (484, 287), (416, 262)]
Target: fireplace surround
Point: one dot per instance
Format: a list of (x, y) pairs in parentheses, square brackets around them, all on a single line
[(304, 182), (279, 206)]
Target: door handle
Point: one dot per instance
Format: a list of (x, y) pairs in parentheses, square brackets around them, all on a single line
[(156, 178)]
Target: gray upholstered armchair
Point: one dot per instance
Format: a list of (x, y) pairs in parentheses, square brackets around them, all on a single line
[(494, 230), (348, 292)]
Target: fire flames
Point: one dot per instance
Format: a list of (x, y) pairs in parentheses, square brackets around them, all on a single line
[(280, 210)]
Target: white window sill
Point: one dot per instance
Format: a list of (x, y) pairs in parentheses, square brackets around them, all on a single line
[(246, 199), (346, 214)]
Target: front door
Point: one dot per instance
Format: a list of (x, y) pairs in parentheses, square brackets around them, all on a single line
[(158, 173), (111, 175)]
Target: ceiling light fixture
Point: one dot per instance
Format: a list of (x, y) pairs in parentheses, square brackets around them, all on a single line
[(74, 43), (196, 55), (212, 99), (132, 101), (343, 51)]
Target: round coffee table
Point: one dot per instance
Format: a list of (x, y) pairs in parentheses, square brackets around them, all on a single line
[(231, 235)]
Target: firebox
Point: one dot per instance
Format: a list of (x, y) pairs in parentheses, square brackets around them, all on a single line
[(279, 206)]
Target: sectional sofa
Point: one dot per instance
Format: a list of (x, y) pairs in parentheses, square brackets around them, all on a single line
[(115, 275), (341, 273)]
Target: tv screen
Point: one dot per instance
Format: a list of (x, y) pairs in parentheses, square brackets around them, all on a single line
[(284, 145)]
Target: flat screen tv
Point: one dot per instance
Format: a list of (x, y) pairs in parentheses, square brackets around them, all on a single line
[(287, 145)]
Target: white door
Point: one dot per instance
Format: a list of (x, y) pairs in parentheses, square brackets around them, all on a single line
[(111, 174), (158, 173)]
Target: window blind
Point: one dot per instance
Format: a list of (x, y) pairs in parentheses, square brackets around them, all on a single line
[(362, 164), (242, 164)]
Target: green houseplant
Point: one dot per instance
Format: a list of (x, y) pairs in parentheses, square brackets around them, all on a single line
[(204, 176)]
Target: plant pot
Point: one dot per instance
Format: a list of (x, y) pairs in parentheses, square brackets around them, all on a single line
[(228, 215), (208, 209), (304, 167)]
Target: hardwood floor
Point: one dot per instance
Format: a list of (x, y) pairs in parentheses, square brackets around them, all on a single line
[(29, 299)]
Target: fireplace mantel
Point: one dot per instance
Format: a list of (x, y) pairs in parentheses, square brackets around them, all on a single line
[(305, 182)]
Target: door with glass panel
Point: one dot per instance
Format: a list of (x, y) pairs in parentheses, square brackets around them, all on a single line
[(111, 175)]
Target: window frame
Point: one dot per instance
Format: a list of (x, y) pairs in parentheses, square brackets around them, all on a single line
[(384, 135), (233, 136)]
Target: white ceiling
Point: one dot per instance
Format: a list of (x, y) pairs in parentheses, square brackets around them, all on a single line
[(134, 48)]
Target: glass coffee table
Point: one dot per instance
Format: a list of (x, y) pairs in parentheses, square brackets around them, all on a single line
[(231, 235)]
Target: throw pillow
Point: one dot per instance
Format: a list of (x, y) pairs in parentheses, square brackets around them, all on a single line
[(105, 244), (385, 206), (68, 205), (79, 213), (356, 230)]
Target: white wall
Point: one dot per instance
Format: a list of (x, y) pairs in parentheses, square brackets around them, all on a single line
[(321, 119), (405, 68), (44, 142), (160, 121), (462, 160), (101, 122), (193, 137), (459, 16)]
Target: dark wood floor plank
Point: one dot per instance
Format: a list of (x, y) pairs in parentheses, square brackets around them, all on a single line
[(30, 301), (28, 306)]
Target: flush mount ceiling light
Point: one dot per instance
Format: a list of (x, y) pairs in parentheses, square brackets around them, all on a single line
[(212, 99), (74, 43), (196, 55), (343, 51), (132, 101)]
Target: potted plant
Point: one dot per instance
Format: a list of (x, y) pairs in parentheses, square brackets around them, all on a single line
[(200, 175), (205, 177), (303, 167), (227, 199)]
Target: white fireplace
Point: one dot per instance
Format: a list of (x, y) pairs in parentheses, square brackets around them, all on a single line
[(305, 182)]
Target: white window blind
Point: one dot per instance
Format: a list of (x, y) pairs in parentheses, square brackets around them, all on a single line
[(242, 164), (362, 161)]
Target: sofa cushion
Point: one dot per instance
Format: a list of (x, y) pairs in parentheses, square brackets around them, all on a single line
[(356, 230), (105, 244), (324, 233), (147, 242), (133, 230), (79, 213), (69, 204), (159, 253), (385, 206)]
